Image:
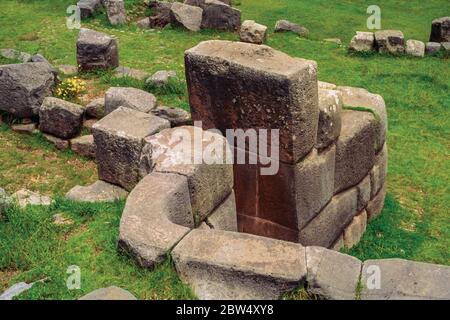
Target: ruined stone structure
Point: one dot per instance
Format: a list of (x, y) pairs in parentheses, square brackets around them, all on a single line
[(330, 180)]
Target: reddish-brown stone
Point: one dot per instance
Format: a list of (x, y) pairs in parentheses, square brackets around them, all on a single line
[(265, 228)]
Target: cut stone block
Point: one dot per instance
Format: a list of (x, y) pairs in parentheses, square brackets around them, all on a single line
[(355, 152), (119, 138), (96, 50), (161, 78), (390, 41), (404, 280), (354, 232), (88, 7), (100, 191), (415, 48), (60, 144), (286, 26), (329, 224), (115, 10), (253, 32), (60, 118), (26, 197), (89, 123), (132, 98), (440, 30), (156, 217), (376, 205), (338, 244), (362, 42), (161, 14), (96, 108), (330, 108), (189, 151), (364, 192), (359, 97), (187, 16), (24, 128), (218, 15), (332, 275), (225, 216), (432, 48), (238, 266), (84, 146), (23, 88), (379, 171), (13, 54), (137, 74), (177, 117), (326, 85), (231, 82), (110, 293)]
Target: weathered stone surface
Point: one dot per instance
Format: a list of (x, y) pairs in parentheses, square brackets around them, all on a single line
[(143, 23), (15, 55), (446, 47), (201, 3), (150, 229), (238, 266), (405, 280), (119, 139), (60, 118), (359, 97), (284, 26), (362, 42), (330, 108), (161, 78), (187, 16), (332, 275), (390, 41), (132, 98), (440, 30), (432, 48), (89, 123), (137, 74), (110, 293), (253, 32), (225, 216), (24, 128), (177, 117), (376, 205), (185, 151), (23, 87), (115, 10), (355, 152), (364, 193), (59, 143), (326, 85), (96, 108), (96, 50), (26, 197), (218, 15), (254, 77), (329, 224), (355, 230), (415, 48), (84, 146), (379, 171), (161, 14), (338, 244), (100, 191), (88, 7)]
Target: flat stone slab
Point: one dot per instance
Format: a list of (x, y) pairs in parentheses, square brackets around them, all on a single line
[(330, 107), (332, 275), (132, 98), (84, 146), (100, 191), (224, 217), (404, 280), (227, 265), (26, 197), (110, 293)]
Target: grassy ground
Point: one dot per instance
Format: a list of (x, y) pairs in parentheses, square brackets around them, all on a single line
[(414, 223)]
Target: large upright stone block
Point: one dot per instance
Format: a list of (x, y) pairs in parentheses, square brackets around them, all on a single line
[(330, 106), (218, 15), (119, 138), (235, 85), (440, 30)]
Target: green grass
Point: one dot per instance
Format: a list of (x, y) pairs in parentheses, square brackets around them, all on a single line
[(414, 223)]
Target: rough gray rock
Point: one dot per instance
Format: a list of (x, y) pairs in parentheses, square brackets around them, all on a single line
[(161, 14), (119, 139), (332, 275), (285, 26), (440, 30), (176, 116), (110, 293), (23, 88), (187, 16), (326, 85), (100, 191), (446, 47), (390, 41), (253, 32), (379, 171), (404, 280), (362, 42), (84, 146), (364, 192), (432, 48), (143, 23), (150, 229), (96, 50), (26, 197), (224, 217), (415, 48), (137, 74), (238, 266), (355, 230), (115, 10), (330, 108), (13, 54), (131, 98), (161, 78), (218, 15), (88, 8), (375, 206), (24, 128), (17, 289), (60, 118), (96, 109), (60, 144)]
